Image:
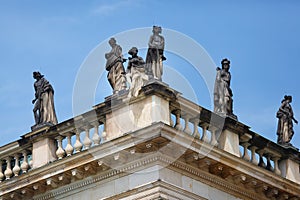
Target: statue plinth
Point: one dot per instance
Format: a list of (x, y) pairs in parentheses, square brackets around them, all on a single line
[(289, 146), (232, 116), (130, 114), (40, 126)]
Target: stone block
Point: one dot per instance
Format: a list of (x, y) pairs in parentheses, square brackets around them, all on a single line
[(229, 142), (43, 152), (290, 170), (137, 115)]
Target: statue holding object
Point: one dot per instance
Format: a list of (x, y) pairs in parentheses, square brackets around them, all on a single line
[(223, 103), (114, 66), (155, 54), (44, 111), (135, 72), (286, 118)]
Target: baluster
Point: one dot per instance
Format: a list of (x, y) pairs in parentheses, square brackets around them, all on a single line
[(171, 121), (1, 173), (246, 155), (204, 134), (24, 165), (103, 135), (177, 123), (60, 151), (78, 144), (17, 168), (87, 141), (269, 166), (96, 138), (8, 172), (30, 162), (253, 157), (261, 160), (213, 140), (276, 167), (69, 148), (196, 133), (186, 124)]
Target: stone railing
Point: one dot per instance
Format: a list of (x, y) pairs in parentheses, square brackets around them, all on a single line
[(271, 156), (15, 159), (194, 120), (79, 139), (92, 128), (235, 138)]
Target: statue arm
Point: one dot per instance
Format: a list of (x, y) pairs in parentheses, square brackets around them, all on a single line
[(35, 94), (162, 44), (296, 121), (129, 65), (141, 61), (226, 76), (218, 76), (292, 115), (119, 51), (150, 42)]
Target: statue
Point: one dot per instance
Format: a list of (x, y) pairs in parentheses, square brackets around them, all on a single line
[(285, 117), (44, 111), (114, 66), (223, 103), (135, 72), (155, 54)]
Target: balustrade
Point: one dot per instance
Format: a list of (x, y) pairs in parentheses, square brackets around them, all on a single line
[(182, 119), (190, 125), (267, 158), (14, 164), (186, 117), (78, 144)]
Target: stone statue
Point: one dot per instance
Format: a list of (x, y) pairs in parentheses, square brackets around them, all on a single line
[(135, 72), (114, 66), (44, 111), (155, 54), (285, 117), (223, 103)]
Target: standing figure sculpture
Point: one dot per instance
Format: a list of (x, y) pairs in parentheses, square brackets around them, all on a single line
[(155, 54), (114, 66), (135, 72), (285, 117), (44, 111), (223, 103)]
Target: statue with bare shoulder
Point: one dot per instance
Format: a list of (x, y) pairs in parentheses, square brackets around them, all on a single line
[(44, 111)]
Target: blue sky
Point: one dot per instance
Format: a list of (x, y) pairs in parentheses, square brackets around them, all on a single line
[(261, 38)]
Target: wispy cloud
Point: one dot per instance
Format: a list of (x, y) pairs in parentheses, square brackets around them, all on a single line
[(109, 8)]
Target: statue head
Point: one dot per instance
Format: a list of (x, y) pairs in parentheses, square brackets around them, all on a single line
[(157, 29), (133, 51), (112, 41), (37, 75), (288, 98), (225, 64)]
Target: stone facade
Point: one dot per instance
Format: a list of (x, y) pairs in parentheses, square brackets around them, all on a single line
[(156, 146)]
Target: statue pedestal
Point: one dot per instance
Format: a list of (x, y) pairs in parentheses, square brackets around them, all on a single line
[(40, 126), (290, 170), (43, 147), (130, 114), (232, 116), (229, 141), (289, 146)]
